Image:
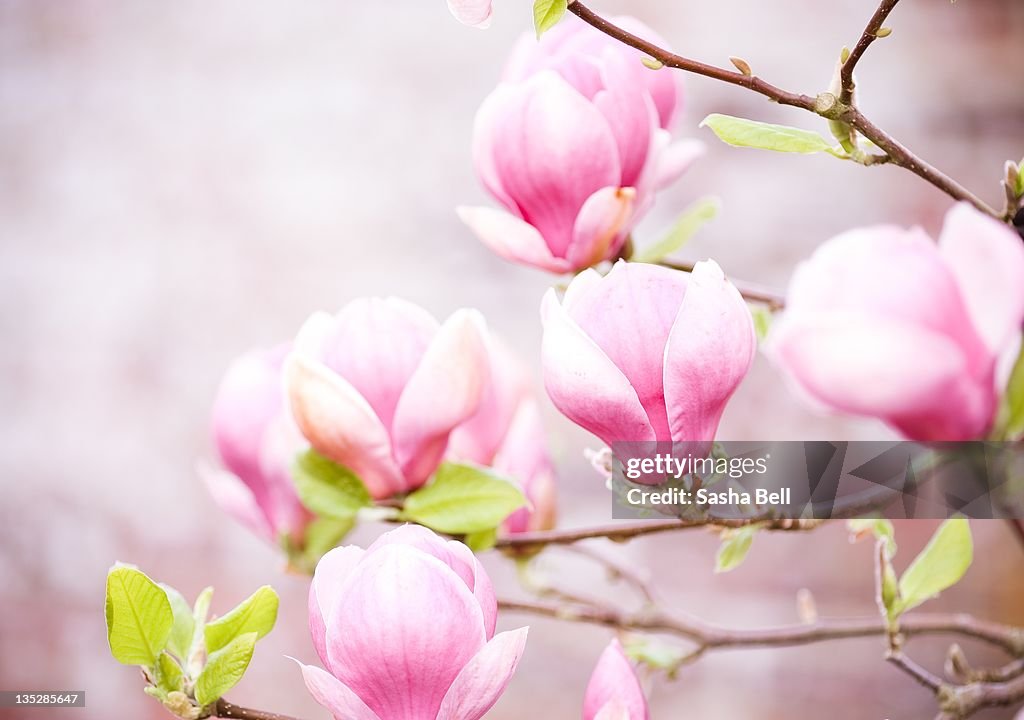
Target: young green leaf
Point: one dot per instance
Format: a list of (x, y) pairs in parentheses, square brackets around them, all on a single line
[(939, 566), (168, 673), (139, 616), (327, 488), (256, 614), (686, 226), (225, 668), (762, 318), (547, 13), (323, 534), (481, 541), (1020, 180), (180, 641), (1010, 421), (888, 591), (464, 499), (879, 528), (655, 654), (740, 132), (734, 548)]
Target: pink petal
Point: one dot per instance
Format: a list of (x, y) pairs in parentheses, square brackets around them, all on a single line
[(375, 344), (987, 259), (444, 391), (484, 678), (334, 695), (341, 425), (676, 159), (601, 226), (329, 578), (915, 378), (554, 150), (613, 710), (614, 681), (709, 352), (583, 382), (630, 113), (236, 499), (402, 631), (512, 238), (486, 125), (629, 317), (524, 457), (476, 13), (282, 442)]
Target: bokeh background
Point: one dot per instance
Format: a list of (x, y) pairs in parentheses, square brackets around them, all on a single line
[(182, 181)]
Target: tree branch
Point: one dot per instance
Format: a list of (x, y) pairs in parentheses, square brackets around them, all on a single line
[(911, 668), (709, 637), (965, 700), (224, 709), (869, 35), (826, 105), (754, 293)]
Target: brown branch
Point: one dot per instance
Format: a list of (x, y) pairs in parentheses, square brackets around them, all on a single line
[(224, 709), (869, 35), (965, 700), (911, 668), (754, 293), (826, 105), (709, 637)]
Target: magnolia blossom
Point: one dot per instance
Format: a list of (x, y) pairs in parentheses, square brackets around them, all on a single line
[(573, 143), (883, 322), (476, 13), (646, 354), (257, 442), (507, 434), (405, 629), (614, 692), (379, 387)]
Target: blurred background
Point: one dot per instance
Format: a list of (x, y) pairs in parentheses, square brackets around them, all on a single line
[(182, 181)]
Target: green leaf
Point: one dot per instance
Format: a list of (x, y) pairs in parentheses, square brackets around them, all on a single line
[(139, 616), (686, 226), (939, 566), (655, 654), (168, 673), (1020, 180), (256, 614), (734, 548), (464, 499), (879, 528), (547, 13), (201, 609), (327, 488), (225, 668), (762, 317), (180, 641), (324, 533), (888, 585), (1010, 421), (481, 541), (740, 132)]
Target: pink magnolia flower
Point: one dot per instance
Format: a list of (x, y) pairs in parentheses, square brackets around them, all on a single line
[(379, 387), (476, 13), (573, 143), (257, 443), (646, 354), (405, 629), (614, 692), (507, 434), (884, 323)]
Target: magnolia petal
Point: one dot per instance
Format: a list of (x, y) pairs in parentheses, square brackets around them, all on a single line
[(339, 423), (512, 238), (444, 391), (601, 226), (709, 352), (329, 578), (475, 13), (675, 160), (484, 678), (614, 682), (402, 631), (236, 499), (583, 382), (334, 695), (987, 259)]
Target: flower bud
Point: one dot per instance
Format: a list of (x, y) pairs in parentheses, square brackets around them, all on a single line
[(614, 692)]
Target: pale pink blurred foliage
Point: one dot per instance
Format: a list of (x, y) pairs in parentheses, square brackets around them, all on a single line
[(507, 433), (883, 322), (574, 144), (379, 387), (614, 691), (405, 629), (647, 354), (257, 442)]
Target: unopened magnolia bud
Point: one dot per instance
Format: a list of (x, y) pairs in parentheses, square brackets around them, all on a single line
[(742, 65)]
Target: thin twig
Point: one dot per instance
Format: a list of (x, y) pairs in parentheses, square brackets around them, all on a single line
[(961, 702), (710, 636), (825, 105), (616, 570), (869, 35), (754, 293), (911, 668), (224, 709)]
